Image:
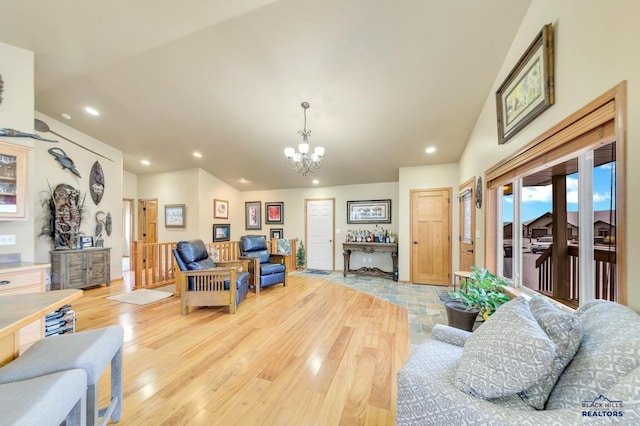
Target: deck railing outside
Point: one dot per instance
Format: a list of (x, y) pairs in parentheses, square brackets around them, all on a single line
[(153, 262), (605, 274)]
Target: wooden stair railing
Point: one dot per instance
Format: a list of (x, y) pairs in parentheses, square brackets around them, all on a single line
[(153, 262)]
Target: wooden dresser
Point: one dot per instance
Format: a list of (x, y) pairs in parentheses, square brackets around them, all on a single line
[(24, 278), (83, 268)]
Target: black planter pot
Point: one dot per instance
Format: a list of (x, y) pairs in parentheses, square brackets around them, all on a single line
[(459, 317)]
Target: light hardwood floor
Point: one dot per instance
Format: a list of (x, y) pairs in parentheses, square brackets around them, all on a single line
[(311, 353)]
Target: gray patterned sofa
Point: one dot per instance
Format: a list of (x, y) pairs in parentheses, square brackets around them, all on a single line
[(529, 364)]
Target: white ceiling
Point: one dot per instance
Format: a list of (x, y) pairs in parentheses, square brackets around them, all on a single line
[(385, 79)]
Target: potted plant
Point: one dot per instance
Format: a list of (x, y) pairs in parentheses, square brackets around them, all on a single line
[(301, 255), (481, 294)]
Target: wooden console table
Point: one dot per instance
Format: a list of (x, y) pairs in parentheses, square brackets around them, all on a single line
[(391, 248)]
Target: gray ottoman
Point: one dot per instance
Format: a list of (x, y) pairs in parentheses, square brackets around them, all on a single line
[(88, 350), (45, 400)]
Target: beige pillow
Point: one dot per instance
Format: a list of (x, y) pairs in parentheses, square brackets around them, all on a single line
[(508, 354)]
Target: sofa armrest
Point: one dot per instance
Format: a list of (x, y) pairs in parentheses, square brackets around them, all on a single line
[(243, 264), (450, 335), (278, 258)]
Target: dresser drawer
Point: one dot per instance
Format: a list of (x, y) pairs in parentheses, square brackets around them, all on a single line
[(17, 280)]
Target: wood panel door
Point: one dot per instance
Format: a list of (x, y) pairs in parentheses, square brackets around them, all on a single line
[(148, 221), (466, 197), (148, 226), (431, 236)]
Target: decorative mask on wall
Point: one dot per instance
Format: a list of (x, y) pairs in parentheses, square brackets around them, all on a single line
[(100, 225), (63, 215), (96, 183)]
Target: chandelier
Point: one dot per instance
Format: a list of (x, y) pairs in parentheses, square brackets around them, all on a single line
[(304, 161)]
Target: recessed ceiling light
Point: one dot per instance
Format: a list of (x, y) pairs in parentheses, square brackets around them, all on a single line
[(430, 150), (243, 180), (197, 155), (65, 116), (315, 181), (145, 162), (92, 111)]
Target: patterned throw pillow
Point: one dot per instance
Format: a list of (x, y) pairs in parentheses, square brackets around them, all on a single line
[(509, 353), (565, 330)]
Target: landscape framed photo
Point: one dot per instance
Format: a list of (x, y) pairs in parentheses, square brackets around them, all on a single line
[(369, 211), (253, 215), (274, 213), (221, 232), (174, 216), (275, 233), (529, 89), (220, 209)]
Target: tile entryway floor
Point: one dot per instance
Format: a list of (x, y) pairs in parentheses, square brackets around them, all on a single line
[(423, 304)]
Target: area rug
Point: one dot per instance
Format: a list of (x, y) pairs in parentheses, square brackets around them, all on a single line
[(318, 272), (141, 297)]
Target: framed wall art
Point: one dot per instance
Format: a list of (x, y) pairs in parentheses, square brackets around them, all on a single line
[(174, 216), (528, 90), (221, 232), (370, 211), (274, 213), (275, 233), (253, 215), (85, 241), (220, 209)]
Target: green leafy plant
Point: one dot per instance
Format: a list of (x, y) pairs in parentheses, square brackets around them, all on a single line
[(301, 256), (483, 291)]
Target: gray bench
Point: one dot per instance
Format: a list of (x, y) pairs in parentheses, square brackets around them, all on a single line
[(91, 351), (45, 400)]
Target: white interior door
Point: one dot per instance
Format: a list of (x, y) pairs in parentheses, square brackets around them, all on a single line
[(320, 234)]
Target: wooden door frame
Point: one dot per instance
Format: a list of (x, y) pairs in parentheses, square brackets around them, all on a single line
[(333, 231), (469, 183), (449, 232), (130, 230)]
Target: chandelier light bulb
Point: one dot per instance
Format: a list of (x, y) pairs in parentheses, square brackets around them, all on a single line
[(288, 152)]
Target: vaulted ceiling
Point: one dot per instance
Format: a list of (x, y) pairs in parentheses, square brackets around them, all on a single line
[(385, 80)]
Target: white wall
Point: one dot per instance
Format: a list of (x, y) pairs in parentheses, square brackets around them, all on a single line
[(427, 177), (16, 112), (595, 49), (50, 174), (294, 213)]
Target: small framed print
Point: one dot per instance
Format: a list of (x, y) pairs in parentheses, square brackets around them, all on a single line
[(276, 233), (252, 215), (221, 232), (174, 216), (86, 242), (274, 213), (220, 209)]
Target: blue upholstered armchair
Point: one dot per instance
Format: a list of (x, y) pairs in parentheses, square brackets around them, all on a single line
[(203, 282), (265, 269)]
